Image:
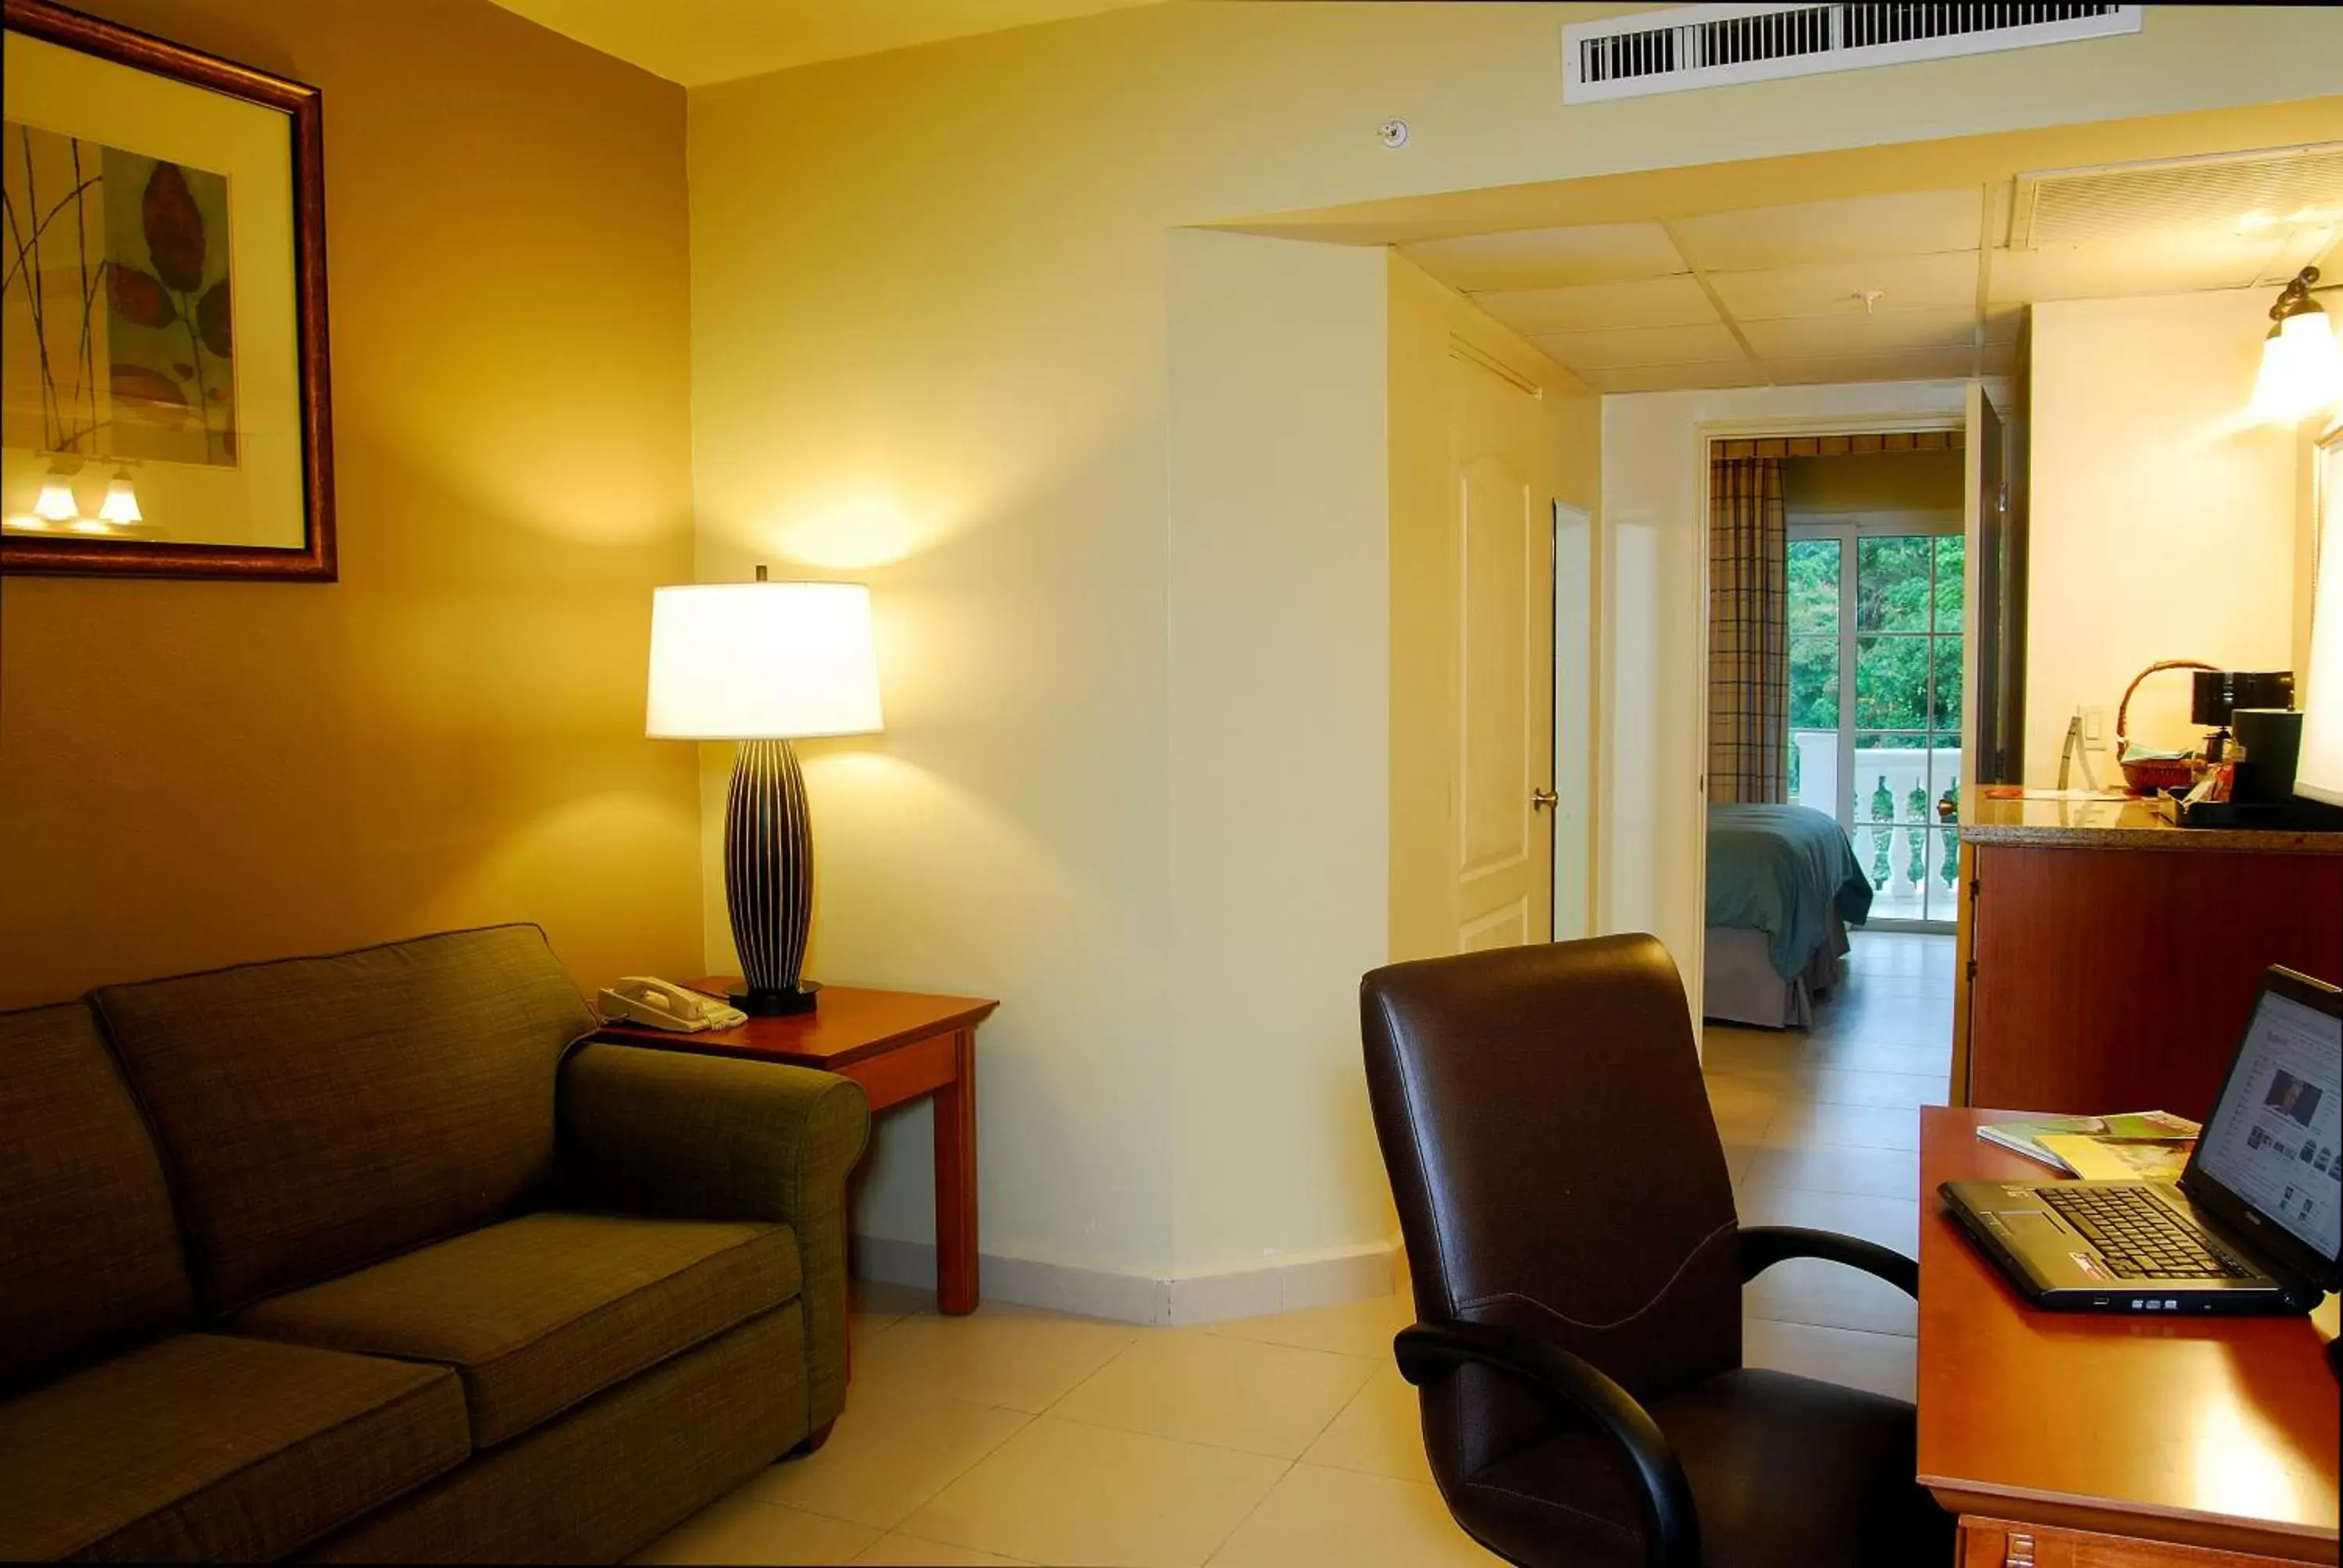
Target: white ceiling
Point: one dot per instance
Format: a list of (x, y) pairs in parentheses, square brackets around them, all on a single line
[(1776, 294), (697, 42)]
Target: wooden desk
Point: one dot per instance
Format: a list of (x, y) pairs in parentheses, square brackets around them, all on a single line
[(2067, 1438), (899, 1046)]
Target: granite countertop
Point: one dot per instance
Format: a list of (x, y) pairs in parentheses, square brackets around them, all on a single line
[(2120, 824)]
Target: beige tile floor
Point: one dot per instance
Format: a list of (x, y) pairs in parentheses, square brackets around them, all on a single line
[(1020, 1436)]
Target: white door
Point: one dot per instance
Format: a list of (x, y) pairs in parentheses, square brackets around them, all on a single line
[(1502, 827)]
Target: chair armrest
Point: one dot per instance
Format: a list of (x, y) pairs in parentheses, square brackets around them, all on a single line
[(1429, 1352), (1762, 1246), (688, 1137)]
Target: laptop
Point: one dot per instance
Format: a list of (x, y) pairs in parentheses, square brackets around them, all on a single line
[(2254, 1222)]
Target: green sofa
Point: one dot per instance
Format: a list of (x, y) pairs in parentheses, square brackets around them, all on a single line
[(368, 1258)]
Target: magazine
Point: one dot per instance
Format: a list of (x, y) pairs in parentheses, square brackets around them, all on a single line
[(2112, 1160), (2150, 1127)]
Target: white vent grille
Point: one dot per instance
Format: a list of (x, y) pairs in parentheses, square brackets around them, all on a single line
[(2228, 193), (1689, 46)]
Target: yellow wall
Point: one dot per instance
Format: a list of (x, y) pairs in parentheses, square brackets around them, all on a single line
[(2164, 525), (1275, 593), (930, 293), (196, 773)]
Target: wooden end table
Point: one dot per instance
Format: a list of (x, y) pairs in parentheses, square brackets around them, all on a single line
[(899, 1046)]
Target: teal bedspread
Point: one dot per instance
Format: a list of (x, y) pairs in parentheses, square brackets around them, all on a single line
[(1776, 870)]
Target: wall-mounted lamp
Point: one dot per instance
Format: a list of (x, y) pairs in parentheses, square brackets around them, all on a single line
[(2302, 365)]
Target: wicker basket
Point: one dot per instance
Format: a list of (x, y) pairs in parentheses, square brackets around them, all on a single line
[(2146, 777)]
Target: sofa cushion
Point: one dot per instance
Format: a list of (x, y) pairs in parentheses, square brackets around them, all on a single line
[(540, 1313), (689, 1430), (321, 1113), (90, 1259), (202, 1446)]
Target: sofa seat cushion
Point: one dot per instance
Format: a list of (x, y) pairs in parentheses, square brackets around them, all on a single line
[(539, 1312), (203, 1446)]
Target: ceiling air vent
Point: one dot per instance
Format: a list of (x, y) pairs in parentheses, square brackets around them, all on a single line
[(2232, 193), (1687, 46)]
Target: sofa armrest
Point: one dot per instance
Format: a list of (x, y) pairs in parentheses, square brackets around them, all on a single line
[(645, 1130)]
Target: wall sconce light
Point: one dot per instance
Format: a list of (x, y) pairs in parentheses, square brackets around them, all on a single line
[(2302, 365)]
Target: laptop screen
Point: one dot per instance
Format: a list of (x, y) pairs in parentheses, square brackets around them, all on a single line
[(2276, 1138)]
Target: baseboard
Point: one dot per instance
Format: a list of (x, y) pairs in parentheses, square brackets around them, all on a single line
[(1283, 1285)]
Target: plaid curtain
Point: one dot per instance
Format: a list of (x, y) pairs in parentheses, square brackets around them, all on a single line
[(1748, 632)]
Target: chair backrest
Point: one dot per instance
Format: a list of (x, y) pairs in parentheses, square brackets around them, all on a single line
[(1557, 1171), (90, 1256), (320, 1113)]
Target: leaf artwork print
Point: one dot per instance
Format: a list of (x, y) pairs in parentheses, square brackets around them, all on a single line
[(117, 302)]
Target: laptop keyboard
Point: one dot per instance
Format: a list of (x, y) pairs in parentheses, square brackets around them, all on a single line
[(2140, 1237)]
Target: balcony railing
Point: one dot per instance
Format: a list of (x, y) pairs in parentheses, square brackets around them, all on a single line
[(1909, 857)]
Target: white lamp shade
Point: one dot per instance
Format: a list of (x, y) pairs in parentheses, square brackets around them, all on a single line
[(55, 503), (762, 661), (2302, 368), (121, 503)]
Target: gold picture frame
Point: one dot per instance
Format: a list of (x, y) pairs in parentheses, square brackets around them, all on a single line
[(165, 402)]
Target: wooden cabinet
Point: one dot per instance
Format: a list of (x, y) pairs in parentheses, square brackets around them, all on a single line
[(1996, 1543), (2102, 975)]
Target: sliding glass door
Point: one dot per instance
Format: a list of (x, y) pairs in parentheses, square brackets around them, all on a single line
[(1875, 624)]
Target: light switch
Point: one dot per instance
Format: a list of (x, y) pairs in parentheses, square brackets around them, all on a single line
[(2094, 729)]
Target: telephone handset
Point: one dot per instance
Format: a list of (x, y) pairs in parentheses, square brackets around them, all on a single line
[(663, 1004)]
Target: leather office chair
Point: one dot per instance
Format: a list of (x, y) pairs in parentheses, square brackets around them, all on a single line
[(1578, 1266)]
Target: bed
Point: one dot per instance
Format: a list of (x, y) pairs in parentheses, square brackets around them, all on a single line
[(1782, 888)]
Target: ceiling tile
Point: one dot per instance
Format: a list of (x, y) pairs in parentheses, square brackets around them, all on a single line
[(1882, 332), (1549, 257), (1640, 346), (1674, 377), (1929, 365), (1600, 307), (1911, 222), (1905, 283)]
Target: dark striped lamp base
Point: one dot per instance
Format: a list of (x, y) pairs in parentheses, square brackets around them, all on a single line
[(768, 878)]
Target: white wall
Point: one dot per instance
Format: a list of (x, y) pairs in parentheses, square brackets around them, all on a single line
[(2164, 525), (930, 349), (1277, 583), (1652, 817)]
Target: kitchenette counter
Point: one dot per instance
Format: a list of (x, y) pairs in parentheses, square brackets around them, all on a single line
[(2042, 822), (2108, 957)]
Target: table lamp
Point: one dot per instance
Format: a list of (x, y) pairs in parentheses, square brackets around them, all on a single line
[(765, 663)]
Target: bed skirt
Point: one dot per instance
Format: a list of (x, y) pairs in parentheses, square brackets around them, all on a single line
[(1741, 987)]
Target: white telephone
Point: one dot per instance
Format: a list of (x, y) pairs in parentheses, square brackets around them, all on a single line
[(663, 1004)]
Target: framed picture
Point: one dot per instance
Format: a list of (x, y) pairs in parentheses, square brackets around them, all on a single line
[(163, 378)]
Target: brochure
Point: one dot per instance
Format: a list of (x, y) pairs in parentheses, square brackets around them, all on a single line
[(2151, 1127)]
